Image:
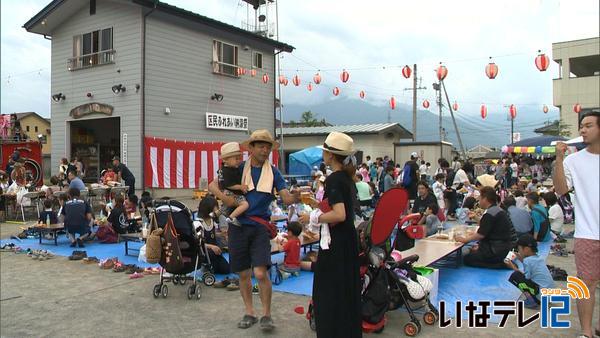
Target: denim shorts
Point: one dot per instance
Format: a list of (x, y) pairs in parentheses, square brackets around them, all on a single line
[(249, 246)]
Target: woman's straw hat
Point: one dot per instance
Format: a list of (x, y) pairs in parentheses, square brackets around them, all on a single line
[(339, 144)]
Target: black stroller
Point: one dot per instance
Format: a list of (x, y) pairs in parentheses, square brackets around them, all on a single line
[(193, 250)]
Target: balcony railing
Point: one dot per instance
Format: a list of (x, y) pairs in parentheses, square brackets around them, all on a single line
[(225, 69), (91, 60)]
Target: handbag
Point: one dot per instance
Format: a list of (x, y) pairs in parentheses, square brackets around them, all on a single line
[(106, 234), (171, 258), (270, 227), (153, 243)]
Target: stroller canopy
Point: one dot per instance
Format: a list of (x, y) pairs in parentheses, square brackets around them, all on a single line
[(301, 162), (387, 213)]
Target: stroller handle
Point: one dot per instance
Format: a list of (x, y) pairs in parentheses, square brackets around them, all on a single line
[(410, 260)]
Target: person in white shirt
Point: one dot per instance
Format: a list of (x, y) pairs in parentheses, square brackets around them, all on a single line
[(456, 164), (515, 171), (521, 200), (438, 188), (555, 213), (423, 170), (579, 171)]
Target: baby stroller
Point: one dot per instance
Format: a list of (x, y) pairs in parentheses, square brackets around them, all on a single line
[(388, 281), (193, 250)]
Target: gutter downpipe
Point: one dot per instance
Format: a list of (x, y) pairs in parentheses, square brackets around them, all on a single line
[(143, 96)]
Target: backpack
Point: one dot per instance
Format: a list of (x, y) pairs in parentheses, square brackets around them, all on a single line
[(544, 227), (450, 174), (406, 177)]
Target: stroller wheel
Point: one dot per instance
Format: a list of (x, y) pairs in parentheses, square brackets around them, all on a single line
[(430, 318), (208, 278), (165, 291), (411, 329), (198, 291), (156, 291), (176, 279), (190, 292), (182, 280)]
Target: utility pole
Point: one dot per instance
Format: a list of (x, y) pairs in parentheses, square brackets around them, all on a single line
[(437, 87), (462, 148), (414, 89), (512, 126)]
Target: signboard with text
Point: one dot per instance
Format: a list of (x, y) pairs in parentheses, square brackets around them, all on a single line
[(227, 122)]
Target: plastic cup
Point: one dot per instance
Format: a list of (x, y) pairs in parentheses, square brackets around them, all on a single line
[(510, 256), (305, 197)]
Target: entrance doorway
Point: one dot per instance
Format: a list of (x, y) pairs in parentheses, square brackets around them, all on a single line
[(95, 142)]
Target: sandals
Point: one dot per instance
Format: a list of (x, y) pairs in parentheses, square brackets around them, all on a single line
[(136, 275), (266, 323), (8, 247), (223, 283), (108, 263), (247, 321), (90, 260)]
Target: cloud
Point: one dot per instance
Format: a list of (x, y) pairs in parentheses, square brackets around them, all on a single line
[(362, 37)]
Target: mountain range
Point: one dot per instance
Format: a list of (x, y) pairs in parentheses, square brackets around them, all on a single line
[(493, 131)]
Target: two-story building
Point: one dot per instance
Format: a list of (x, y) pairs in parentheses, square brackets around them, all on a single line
[(127, 74)]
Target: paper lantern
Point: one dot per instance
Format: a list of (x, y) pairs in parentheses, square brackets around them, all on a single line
[(362, 94), (344, 76), (513, 111), (455, 106), (265, 78), (441, 72), (285, 81), (542, 61), (545, 109), (281, 78), (309, 86), (491, 70), (483, 111), (406, 71), (296, 80), (253, 72), (393, 103), (317, 78), (336, 91), (577, 108), (425, 104), (241, 71)]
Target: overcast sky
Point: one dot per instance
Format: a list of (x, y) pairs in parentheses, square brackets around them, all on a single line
[(332, 35)]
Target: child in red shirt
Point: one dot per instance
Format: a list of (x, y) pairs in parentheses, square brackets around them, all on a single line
[(291, 247)]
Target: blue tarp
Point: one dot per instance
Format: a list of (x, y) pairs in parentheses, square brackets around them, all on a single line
[(302, 162)]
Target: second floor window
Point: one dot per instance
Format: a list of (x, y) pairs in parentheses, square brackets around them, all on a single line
[(93, 48), (225, 58), (257, 60)]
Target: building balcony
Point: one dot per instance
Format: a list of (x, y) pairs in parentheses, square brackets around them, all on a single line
[(583, 90), (91, 60)]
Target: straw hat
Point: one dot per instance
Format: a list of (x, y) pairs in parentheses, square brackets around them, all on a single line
[(230, 149), (339, 144), (487, 180), (523, 179), (261, 135)]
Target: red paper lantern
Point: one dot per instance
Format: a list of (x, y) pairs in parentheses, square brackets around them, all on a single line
[(253, 72), (393, 103), (513, 111), (491, 70), (285, 81), (483, 111), (362, 94), (309, 87), (336, 91), (281, 78), (542, 61), (265, 78), (425, 104), (545, 109), (441, 72), (317, 78), (241, 71), (296, 80), (577, 108), (455, 106), (344, 76), (406, 71)]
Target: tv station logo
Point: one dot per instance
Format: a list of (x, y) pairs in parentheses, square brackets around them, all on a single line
[(555, 303)]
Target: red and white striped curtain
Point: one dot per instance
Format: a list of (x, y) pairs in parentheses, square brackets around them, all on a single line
[(172, 164)]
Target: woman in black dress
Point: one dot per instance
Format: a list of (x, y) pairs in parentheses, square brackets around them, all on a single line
[(336, 285)]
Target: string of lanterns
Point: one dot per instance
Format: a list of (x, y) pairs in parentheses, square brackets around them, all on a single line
[(542, 62)]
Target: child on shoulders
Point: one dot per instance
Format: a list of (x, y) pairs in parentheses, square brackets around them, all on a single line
[(230, 181)]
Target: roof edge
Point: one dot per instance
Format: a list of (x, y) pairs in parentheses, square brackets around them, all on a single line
[(41, 14)]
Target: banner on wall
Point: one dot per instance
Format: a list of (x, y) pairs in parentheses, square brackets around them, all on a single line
[(173, 164)]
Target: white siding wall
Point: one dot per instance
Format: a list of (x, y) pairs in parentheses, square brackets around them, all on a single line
[(179, 76), (125, 19)]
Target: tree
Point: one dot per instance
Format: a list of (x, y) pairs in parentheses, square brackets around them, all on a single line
[(309, 119), (563, 129)]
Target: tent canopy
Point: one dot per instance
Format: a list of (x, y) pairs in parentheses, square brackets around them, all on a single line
[(540, 141), (302, 162)]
